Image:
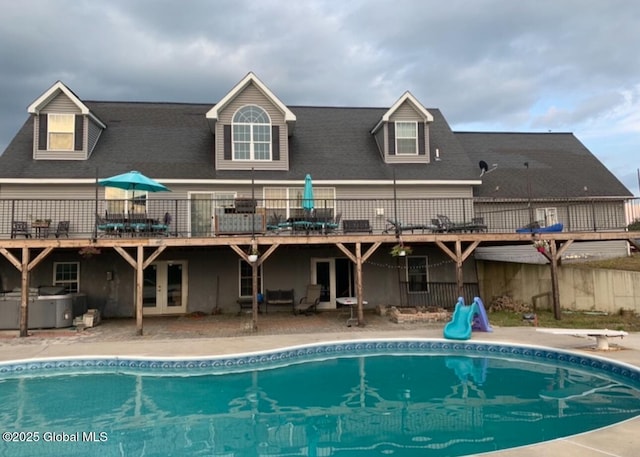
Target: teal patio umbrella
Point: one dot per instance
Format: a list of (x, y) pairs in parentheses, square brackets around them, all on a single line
[(307, 195), (133, 180)]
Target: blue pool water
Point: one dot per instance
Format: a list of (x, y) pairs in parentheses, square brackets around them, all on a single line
[(392, 397)]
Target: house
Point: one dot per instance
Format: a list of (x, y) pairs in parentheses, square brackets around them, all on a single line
[(236, 168)]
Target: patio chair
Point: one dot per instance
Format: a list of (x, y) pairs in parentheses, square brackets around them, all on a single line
[(62, 229), (309, 303), (20, 228), (162, 227), (334, 224), (109, 226), (398, 227)]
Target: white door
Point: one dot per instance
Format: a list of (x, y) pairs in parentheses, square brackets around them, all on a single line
[(165, 287), (323, 272)]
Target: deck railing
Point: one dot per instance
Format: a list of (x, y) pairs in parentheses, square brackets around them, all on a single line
[(155, 216)]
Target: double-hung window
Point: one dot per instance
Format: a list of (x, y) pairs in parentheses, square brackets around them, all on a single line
[(61, 130), (251, 134), (406, 138), (67, 274)]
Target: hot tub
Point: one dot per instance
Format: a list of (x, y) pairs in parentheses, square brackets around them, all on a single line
[(49, 307)]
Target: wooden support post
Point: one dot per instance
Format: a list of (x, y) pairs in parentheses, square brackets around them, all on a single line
[(555, 292), (459, 271), (359, 284), (139, 284), (459, 257), (24, 296), (254, 288)]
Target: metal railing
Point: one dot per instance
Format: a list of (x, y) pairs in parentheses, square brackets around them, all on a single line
[(436, 294), (153, 216)]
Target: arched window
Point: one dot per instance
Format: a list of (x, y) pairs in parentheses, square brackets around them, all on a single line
[(251, 134)]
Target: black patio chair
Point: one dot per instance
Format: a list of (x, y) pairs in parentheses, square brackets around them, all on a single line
[(62, 229), (20, 228)]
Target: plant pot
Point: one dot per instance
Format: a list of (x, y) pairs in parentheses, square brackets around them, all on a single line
[(253, 258), (402, 253), (540, 249)]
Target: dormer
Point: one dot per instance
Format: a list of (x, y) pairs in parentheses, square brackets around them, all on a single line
[(251, 127), (402, 135), (64, 127)]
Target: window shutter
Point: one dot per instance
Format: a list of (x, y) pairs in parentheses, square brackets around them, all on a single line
[(79, 132), (275, 142), (421, 139), (42, 133), (226, 138), (391, 129)]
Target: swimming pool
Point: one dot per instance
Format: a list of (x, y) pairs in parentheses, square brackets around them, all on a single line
[(350, 398)]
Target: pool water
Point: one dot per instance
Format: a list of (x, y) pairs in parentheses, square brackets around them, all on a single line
[(364, 405)]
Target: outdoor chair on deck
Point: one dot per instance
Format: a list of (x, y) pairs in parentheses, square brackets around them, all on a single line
[(110, 226), (309, 303), (20, 228), (398, 227), (63, 229), (162, 227)]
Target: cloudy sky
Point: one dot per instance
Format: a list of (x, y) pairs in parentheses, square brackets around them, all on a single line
[(530, 66)]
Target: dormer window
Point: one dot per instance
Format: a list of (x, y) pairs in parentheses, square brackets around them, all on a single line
[(251, 134), (406, 138), (61, 132)]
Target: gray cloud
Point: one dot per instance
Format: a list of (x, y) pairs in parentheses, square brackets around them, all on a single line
[(487, 64)]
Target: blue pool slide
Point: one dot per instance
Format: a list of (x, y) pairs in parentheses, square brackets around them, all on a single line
[(465, 318)]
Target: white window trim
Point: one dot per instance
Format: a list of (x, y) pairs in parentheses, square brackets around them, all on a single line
[(407, 137), (291, 197), (55, 269), (72, 132), (251, 142)]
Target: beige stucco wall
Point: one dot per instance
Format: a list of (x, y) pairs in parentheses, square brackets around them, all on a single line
[(580, 289)]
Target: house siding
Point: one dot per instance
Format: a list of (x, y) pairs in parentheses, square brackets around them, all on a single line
[(407, 112), (251, 95), (59, 104), (93, 134), (575, 216)]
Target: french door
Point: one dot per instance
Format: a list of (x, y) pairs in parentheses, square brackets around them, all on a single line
[(335, 275), (165, 288)]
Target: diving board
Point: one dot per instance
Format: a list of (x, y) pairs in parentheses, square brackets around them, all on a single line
[(601, 335)]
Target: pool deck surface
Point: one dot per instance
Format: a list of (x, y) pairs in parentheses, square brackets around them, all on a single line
[(189, 336)]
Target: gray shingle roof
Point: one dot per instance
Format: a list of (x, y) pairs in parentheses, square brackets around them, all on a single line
[(171, 140), (560, 166)]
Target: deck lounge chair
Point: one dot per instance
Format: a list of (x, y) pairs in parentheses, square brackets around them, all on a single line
[(476, 225), (309, 303), (398, 227)]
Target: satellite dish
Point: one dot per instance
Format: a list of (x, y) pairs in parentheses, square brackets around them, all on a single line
[(484, 167)]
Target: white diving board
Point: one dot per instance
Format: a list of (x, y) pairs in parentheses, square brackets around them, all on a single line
[(601, 335)]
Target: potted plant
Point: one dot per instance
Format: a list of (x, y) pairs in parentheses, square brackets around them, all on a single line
[(541, 245), (89, 251), (400, 250), (253, 254)]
